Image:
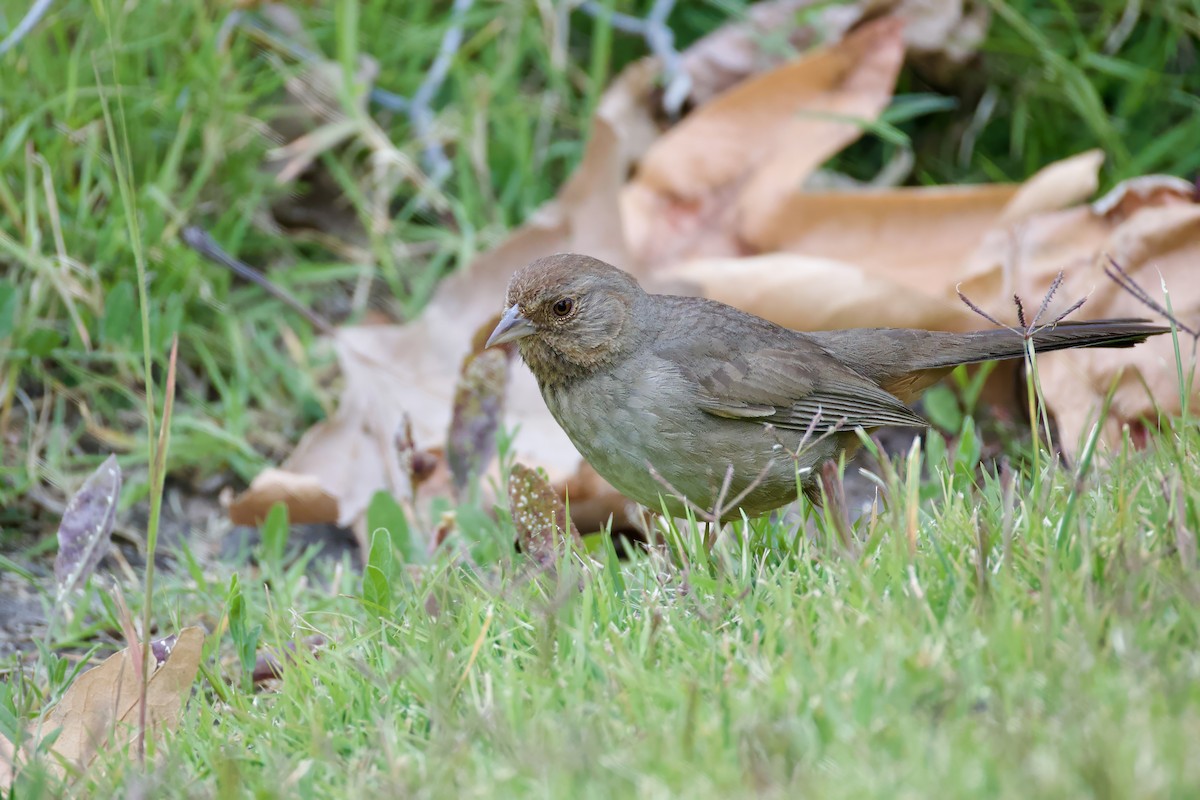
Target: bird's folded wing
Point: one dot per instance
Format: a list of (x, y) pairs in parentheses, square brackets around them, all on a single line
[(792, 388)]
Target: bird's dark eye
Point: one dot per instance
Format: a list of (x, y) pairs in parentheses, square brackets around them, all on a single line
[(563, 307)]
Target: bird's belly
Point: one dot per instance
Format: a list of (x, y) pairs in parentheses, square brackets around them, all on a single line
[(624, 439)]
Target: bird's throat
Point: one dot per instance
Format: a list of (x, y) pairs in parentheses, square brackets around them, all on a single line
[(552, 368)]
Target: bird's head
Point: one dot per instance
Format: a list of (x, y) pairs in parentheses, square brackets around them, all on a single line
[(570, 315)]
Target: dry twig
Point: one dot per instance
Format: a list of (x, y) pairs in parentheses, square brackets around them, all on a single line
[(419, 108), (199, 240), (28, 22), (677, 83)]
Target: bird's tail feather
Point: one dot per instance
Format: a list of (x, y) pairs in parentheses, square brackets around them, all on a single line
[(1002, 343)]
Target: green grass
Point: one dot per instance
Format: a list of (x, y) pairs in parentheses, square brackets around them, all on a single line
[(991, 660), (997, 658), (1059, 78)]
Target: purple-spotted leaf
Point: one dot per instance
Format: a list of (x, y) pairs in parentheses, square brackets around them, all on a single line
[(161, 648), (477, 413), (86, 528), (539, 515)]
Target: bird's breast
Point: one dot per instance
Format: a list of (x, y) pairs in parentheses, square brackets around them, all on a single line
[(628, 420)]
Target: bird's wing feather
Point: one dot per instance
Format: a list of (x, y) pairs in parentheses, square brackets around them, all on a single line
[(746, 368), (790, 387)]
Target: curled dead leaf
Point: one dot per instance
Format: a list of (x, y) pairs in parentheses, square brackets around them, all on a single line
[(916, 237), (705, 184), (306, 499), (951, 30), (945, 31), (1159, 248), (732, 53), (809, 293), (341, 463), (1151, 227), (101, 708)]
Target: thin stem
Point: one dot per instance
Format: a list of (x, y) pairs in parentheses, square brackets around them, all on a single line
[(203, 243)]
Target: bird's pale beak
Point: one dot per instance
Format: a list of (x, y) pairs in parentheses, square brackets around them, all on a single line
[(512, 326)]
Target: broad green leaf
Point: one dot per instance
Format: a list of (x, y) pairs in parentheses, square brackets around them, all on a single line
[(274, 533), (384, 513), (377, 577)]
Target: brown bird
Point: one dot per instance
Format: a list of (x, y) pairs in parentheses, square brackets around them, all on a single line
[(694, 389)]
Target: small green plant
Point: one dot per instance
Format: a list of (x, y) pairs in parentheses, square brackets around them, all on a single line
[(274, 533), (378, 572), (385, 515), (245, 635)]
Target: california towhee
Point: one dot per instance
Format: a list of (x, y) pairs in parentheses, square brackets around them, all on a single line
[(694, 388)]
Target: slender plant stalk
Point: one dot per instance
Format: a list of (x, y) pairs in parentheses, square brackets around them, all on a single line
[(158, 476), (1185, 384), (1031, 401), (1061, 538), (118, 142)]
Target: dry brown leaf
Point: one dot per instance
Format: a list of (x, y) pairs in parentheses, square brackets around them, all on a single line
[(1134, 194), (307, 500), (917, 237), (1151, 227), (353, 454), (817, 293), (704, 183), (950, 30), (774, 32), (890, 257), (848, 84), (730, 54), (988, 275), (1059, 185), (100, 709), (1157, 247)]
